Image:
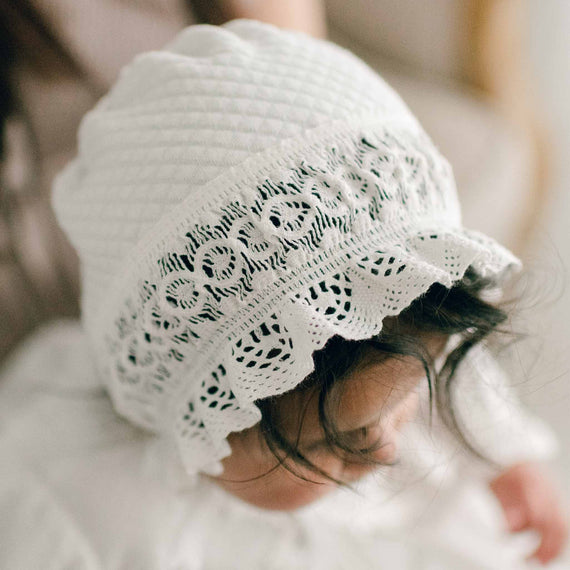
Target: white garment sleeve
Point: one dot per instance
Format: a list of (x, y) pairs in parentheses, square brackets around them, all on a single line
[(74, 493), (493, 420), (493, 417)]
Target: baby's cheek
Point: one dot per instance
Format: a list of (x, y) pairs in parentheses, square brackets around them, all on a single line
[(253, 474), (278, 489), (289, 492)]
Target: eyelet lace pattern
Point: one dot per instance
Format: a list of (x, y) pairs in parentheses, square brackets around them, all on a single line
[(227, 301)]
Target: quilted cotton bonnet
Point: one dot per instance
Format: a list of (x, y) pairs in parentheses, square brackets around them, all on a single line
[(239, 198)]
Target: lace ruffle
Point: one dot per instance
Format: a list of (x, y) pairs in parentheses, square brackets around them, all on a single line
[(238, 288)]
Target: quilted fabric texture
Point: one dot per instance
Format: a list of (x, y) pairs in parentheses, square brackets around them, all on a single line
[(239, 198)]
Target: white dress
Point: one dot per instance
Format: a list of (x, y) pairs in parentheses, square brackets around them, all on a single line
[(80, 488)]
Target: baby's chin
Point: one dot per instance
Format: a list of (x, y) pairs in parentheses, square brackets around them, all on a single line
[(287, 501), (289, 496)]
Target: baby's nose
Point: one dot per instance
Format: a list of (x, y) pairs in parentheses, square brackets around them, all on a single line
[(389, 429), (388, 455), (387, 452)]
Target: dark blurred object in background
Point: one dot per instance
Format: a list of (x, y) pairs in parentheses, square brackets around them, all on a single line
[(56, 60), (36, 281)]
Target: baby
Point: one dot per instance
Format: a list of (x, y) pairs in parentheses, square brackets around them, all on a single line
[(274, 275)]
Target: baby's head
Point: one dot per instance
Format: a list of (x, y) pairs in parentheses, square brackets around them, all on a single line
[(344, 420), (272, 257)]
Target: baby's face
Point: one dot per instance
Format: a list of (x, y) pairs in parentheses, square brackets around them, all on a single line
[(375, 404)]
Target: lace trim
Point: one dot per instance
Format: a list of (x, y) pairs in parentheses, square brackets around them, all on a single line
[(204, 200), (251, 277)]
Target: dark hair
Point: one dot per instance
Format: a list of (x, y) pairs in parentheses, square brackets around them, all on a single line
[(440, 311)]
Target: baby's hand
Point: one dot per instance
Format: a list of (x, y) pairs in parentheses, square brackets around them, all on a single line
[(531, 501)]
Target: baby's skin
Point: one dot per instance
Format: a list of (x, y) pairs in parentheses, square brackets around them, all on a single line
[(531, 501), (377, 400)]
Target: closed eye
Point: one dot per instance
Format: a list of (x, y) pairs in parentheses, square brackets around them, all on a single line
[(363, 441), (367, 447), (355, 438)]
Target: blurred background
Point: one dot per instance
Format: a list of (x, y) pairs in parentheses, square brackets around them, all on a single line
[(547, 255), (489, 79)]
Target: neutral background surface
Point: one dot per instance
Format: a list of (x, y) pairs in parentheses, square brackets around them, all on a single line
[(546, 382)]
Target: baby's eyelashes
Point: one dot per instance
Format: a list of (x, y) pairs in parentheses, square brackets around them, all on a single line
[(369, 449)]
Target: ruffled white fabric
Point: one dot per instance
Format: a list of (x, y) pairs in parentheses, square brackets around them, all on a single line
[(208, 289)]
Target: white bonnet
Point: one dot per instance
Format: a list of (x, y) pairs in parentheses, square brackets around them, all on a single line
[(238, 198)]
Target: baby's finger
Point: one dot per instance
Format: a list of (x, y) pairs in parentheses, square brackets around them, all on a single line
[(554, 534), (516, 517)]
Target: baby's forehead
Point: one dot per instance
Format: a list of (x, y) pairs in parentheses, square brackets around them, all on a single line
[(370, 393), (378, 387)]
